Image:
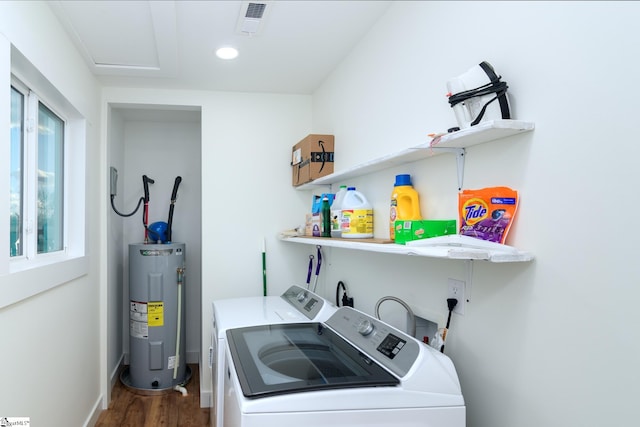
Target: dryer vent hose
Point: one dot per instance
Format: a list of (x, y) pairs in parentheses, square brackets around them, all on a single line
[(412, 330)]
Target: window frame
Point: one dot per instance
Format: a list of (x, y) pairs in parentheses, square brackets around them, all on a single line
[(60, 167), (23, 278), (21, 160), (30, 255)]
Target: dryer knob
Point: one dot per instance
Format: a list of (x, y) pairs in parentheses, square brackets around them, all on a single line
[(365, 327), (302, 296)]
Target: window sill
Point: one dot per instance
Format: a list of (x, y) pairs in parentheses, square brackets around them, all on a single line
[(17, 286)]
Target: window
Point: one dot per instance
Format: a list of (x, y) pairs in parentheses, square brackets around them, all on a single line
[(37, 176), (50, 180), (15, 171)]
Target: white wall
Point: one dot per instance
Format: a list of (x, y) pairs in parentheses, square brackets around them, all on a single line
[(116, 272), (51, 343), (547, 343)]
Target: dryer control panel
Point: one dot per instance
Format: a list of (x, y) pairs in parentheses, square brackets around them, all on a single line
[(305, 301), (379, 341)]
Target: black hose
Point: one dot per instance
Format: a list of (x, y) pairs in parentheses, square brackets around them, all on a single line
[(347, 301), (344, 288), (129, 214), (145, 183), (174, 195), (145, 215)]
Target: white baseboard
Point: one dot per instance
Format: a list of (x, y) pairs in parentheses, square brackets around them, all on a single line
[(115, 374), (92, 419), (205, 398), (205, 394)]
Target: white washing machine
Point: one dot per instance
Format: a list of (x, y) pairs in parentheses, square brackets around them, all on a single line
[(351, 370), (295, 305)]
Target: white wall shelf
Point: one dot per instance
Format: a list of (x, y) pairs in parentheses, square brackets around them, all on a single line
[(501, 253), (454, 142)]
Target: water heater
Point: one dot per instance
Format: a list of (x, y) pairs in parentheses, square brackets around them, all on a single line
[(157, 360)]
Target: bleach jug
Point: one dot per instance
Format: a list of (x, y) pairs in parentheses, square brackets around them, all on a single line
[(405, 203), (357, 215), (336, 212)]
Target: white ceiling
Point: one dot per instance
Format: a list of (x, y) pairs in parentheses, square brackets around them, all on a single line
[(171, 44)]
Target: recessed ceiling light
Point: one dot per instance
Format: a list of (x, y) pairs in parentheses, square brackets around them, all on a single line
[(227, 53)]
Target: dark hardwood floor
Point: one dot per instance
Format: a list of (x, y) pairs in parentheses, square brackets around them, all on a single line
[(130, 409)]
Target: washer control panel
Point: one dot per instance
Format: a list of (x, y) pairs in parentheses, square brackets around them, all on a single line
[(385, 344)]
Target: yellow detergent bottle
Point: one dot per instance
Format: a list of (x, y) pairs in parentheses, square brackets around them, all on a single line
[(405, 203), (357, 215)]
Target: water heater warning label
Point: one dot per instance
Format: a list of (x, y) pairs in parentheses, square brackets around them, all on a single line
[(156, 313), (143, 315), (138, 324), (138, 307), (138, 329)]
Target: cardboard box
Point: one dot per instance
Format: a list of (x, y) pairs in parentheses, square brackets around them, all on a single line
[(407, 231), (312, 158)]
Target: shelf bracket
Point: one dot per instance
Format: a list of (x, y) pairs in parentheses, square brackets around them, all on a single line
[(467, 294), (460, 154)]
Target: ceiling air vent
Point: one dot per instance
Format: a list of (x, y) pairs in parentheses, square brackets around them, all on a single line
[(251, 17), (255, 10)]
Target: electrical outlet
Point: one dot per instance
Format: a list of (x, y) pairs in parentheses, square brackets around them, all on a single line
[(456, 290)]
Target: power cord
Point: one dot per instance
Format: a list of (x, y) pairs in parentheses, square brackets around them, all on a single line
[(346, 300), (494, 86), (451, 303)]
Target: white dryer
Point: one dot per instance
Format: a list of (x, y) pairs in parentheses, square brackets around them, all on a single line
[(295, 305), (351, 370)]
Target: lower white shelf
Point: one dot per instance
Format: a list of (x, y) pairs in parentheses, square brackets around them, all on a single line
[(447, 251)]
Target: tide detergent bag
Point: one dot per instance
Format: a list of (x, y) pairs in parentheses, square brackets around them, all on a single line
[(487, 213)]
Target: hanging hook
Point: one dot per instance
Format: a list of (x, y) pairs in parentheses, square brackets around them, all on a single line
[(309, 271), (315, 281)]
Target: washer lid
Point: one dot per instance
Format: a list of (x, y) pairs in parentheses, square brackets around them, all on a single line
[(291, 358)]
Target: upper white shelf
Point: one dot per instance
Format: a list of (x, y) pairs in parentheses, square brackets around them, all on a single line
[(501, 253), (481, 133)]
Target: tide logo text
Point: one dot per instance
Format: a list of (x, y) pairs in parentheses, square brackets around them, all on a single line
[(474, 210)]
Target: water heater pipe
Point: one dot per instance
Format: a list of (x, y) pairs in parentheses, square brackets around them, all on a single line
[(181, 390), (177, 362)]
